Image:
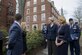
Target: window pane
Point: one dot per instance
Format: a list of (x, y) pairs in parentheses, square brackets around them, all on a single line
[(35, 1), (43, 7), (27, 19), (42, 0), (35, 9), (43, 16), (28, 11), (35, 27), (28, 3), (35, 18)]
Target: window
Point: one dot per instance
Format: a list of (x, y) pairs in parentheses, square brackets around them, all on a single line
[(43, 16), (35, 1), (35, 9), (28, 11), (28, 3), (42, 7), (35, 18), (27, 19), (42, 0), (35, 27)]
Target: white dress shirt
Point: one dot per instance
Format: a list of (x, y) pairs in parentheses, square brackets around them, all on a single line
[(51, 25), (17, 23)]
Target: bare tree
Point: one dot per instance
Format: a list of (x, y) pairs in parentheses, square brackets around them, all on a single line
[(78, 12)]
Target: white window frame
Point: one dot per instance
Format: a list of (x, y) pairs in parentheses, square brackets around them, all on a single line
[(34, 18), (35, 2), (27, 11), (28, 3), (43, 17), (42, 0), (35, 25), (27, 19), (43, 8), (35, 9)]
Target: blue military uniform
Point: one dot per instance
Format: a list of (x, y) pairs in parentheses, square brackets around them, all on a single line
[(74, 39), (44, 32)]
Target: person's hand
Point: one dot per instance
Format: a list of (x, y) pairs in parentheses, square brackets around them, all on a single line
[(77, 38), (59, 44), (46, 40)]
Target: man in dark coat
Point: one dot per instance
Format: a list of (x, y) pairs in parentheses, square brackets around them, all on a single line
[(44, 32), (51, 36), (15, 46), (1, 43), (74, 38)]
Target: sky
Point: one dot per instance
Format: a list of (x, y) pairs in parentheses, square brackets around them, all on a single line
[(68, 5), (17, 6)]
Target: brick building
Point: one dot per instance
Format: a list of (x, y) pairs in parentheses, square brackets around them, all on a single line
[(7, 12), (37, 12)]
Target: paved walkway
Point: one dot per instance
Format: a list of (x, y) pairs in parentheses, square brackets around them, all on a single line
[(45, 51)]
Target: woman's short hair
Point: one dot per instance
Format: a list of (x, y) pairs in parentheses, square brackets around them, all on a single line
[(61, 18), (23, 25), (18, 17)]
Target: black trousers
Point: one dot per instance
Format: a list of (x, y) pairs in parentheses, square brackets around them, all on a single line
[(63, 49), (1, 47), (51, 47), (75, 47)]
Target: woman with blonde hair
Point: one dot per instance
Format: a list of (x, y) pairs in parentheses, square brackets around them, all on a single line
[(62, 38), (23, 25)]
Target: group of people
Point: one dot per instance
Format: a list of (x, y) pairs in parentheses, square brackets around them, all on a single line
[(61, 35), (58, 35)]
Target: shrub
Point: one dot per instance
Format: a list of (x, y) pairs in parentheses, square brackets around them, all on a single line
[(5, 33), (34, 40)]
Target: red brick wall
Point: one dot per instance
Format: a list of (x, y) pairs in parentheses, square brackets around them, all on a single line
[(4, 17)]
